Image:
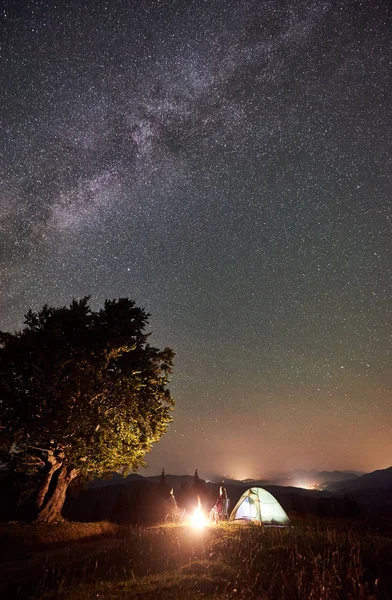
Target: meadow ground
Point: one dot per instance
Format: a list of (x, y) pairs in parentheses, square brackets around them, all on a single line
[(312, 560)]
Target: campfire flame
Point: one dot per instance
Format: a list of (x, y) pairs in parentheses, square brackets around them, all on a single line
[(198, 519)]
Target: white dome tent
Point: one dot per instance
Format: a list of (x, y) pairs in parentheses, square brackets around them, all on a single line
[(256, 504)]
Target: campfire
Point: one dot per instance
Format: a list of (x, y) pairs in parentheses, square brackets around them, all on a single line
[(198, 519)]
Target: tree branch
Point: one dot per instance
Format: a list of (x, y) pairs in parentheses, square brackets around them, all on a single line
[(47, 450)]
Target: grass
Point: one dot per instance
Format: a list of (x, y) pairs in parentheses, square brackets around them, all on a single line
[(313, 560), (17, 538)]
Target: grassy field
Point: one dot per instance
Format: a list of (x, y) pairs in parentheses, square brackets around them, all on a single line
[(313, 560)]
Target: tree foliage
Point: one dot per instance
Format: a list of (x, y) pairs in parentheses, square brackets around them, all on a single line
[(81, 393)]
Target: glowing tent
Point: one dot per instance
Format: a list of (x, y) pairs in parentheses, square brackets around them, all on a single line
[(256, 504)]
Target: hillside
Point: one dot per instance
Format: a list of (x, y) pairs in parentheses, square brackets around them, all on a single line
[(377, 480)]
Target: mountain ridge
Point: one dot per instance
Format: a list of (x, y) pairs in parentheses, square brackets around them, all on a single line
[(332, 481)]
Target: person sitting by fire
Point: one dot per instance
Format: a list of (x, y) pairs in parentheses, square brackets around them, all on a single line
[(175, 511), (218, 511)]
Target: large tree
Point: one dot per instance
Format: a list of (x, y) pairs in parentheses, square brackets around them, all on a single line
[(81, 393)]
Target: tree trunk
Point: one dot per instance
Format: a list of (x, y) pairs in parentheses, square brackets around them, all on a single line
[(44, 485), (51, 511)]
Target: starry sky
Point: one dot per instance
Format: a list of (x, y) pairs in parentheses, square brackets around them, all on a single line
[(226, 164)]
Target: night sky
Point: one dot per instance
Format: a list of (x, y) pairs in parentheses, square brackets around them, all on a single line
[(228, 165)]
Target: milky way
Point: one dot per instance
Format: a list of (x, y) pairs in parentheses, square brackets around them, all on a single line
[(228, 166)]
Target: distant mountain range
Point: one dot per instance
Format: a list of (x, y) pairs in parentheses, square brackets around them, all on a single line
[(332, 481), (381, 480), (313, 478), (321, 477)]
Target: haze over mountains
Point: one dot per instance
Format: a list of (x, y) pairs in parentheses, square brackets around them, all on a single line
[(331, 481)]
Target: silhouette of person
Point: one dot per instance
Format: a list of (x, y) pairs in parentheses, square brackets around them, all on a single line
[(218, 511), (176, 512)]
